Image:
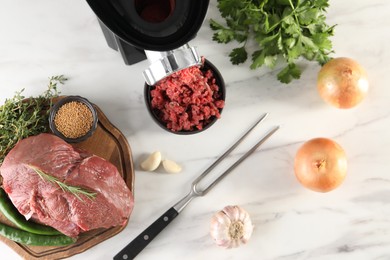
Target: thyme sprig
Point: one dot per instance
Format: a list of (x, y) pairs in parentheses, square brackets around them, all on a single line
[(75, 190), (21, 118)]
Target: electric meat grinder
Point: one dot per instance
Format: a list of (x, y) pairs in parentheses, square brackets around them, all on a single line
[(157, 30)]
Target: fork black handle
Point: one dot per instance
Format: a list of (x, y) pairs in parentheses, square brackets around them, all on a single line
[(143, 239)]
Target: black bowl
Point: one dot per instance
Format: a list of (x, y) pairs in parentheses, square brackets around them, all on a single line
[(154, 112), (61, 102)]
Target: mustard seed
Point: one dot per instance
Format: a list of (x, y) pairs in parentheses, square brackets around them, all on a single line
[(73, 119)]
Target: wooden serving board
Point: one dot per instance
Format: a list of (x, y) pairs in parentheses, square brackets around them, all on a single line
[(109, 143)]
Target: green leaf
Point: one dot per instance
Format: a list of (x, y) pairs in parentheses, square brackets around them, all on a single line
[(253, 15), (322, 41), (309, 55), (290, 72), (240, 37), (230, 7), (289, 20), (322, 59), (292, 29), (313, 28), (308, 43), (295, 52), (238, 55), (216, 26), (290, 43), (270, 61), (321, 4), (274, 22), (223, 36), (264, 41), (258, 59), (283, 2), (288, 14), (308, 16)]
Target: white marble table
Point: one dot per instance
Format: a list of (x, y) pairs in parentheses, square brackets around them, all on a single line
[(43, 38)]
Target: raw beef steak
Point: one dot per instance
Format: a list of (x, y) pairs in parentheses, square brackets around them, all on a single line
[(44, 201)]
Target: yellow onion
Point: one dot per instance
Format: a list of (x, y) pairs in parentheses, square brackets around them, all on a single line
[(231, 227), (320, 164), (342, 82)]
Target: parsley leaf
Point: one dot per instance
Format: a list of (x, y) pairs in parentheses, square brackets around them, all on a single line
[(285, 30), (238, 55), (290, 72)]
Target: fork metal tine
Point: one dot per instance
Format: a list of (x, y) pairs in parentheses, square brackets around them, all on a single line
[(211, 167), (194, 192), (242, 158)]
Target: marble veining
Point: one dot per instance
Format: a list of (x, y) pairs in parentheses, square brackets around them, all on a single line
[(44, 38)]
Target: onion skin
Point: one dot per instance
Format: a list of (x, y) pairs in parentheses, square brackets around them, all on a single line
[(320, 164), (342, 82)]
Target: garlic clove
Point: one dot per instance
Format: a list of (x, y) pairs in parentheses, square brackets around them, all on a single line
[(171, 166), (152, 162), (231, 227)]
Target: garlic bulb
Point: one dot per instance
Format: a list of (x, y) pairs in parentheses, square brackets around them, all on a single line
[(231, 227)]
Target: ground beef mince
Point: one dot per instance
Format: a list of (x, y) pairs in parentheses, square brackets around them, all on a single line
[(188, 99)]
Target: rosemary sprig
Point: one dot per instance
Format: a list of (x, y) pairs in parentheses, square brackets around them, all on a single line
[(75, 190)]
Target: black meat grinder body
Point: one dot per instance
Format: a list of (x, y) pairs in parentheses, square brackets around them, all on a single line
[(157, 30)]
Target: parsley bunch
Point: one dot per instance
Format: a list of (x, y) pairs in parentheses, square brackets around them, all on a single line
[(21, 118), (287, 29)]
